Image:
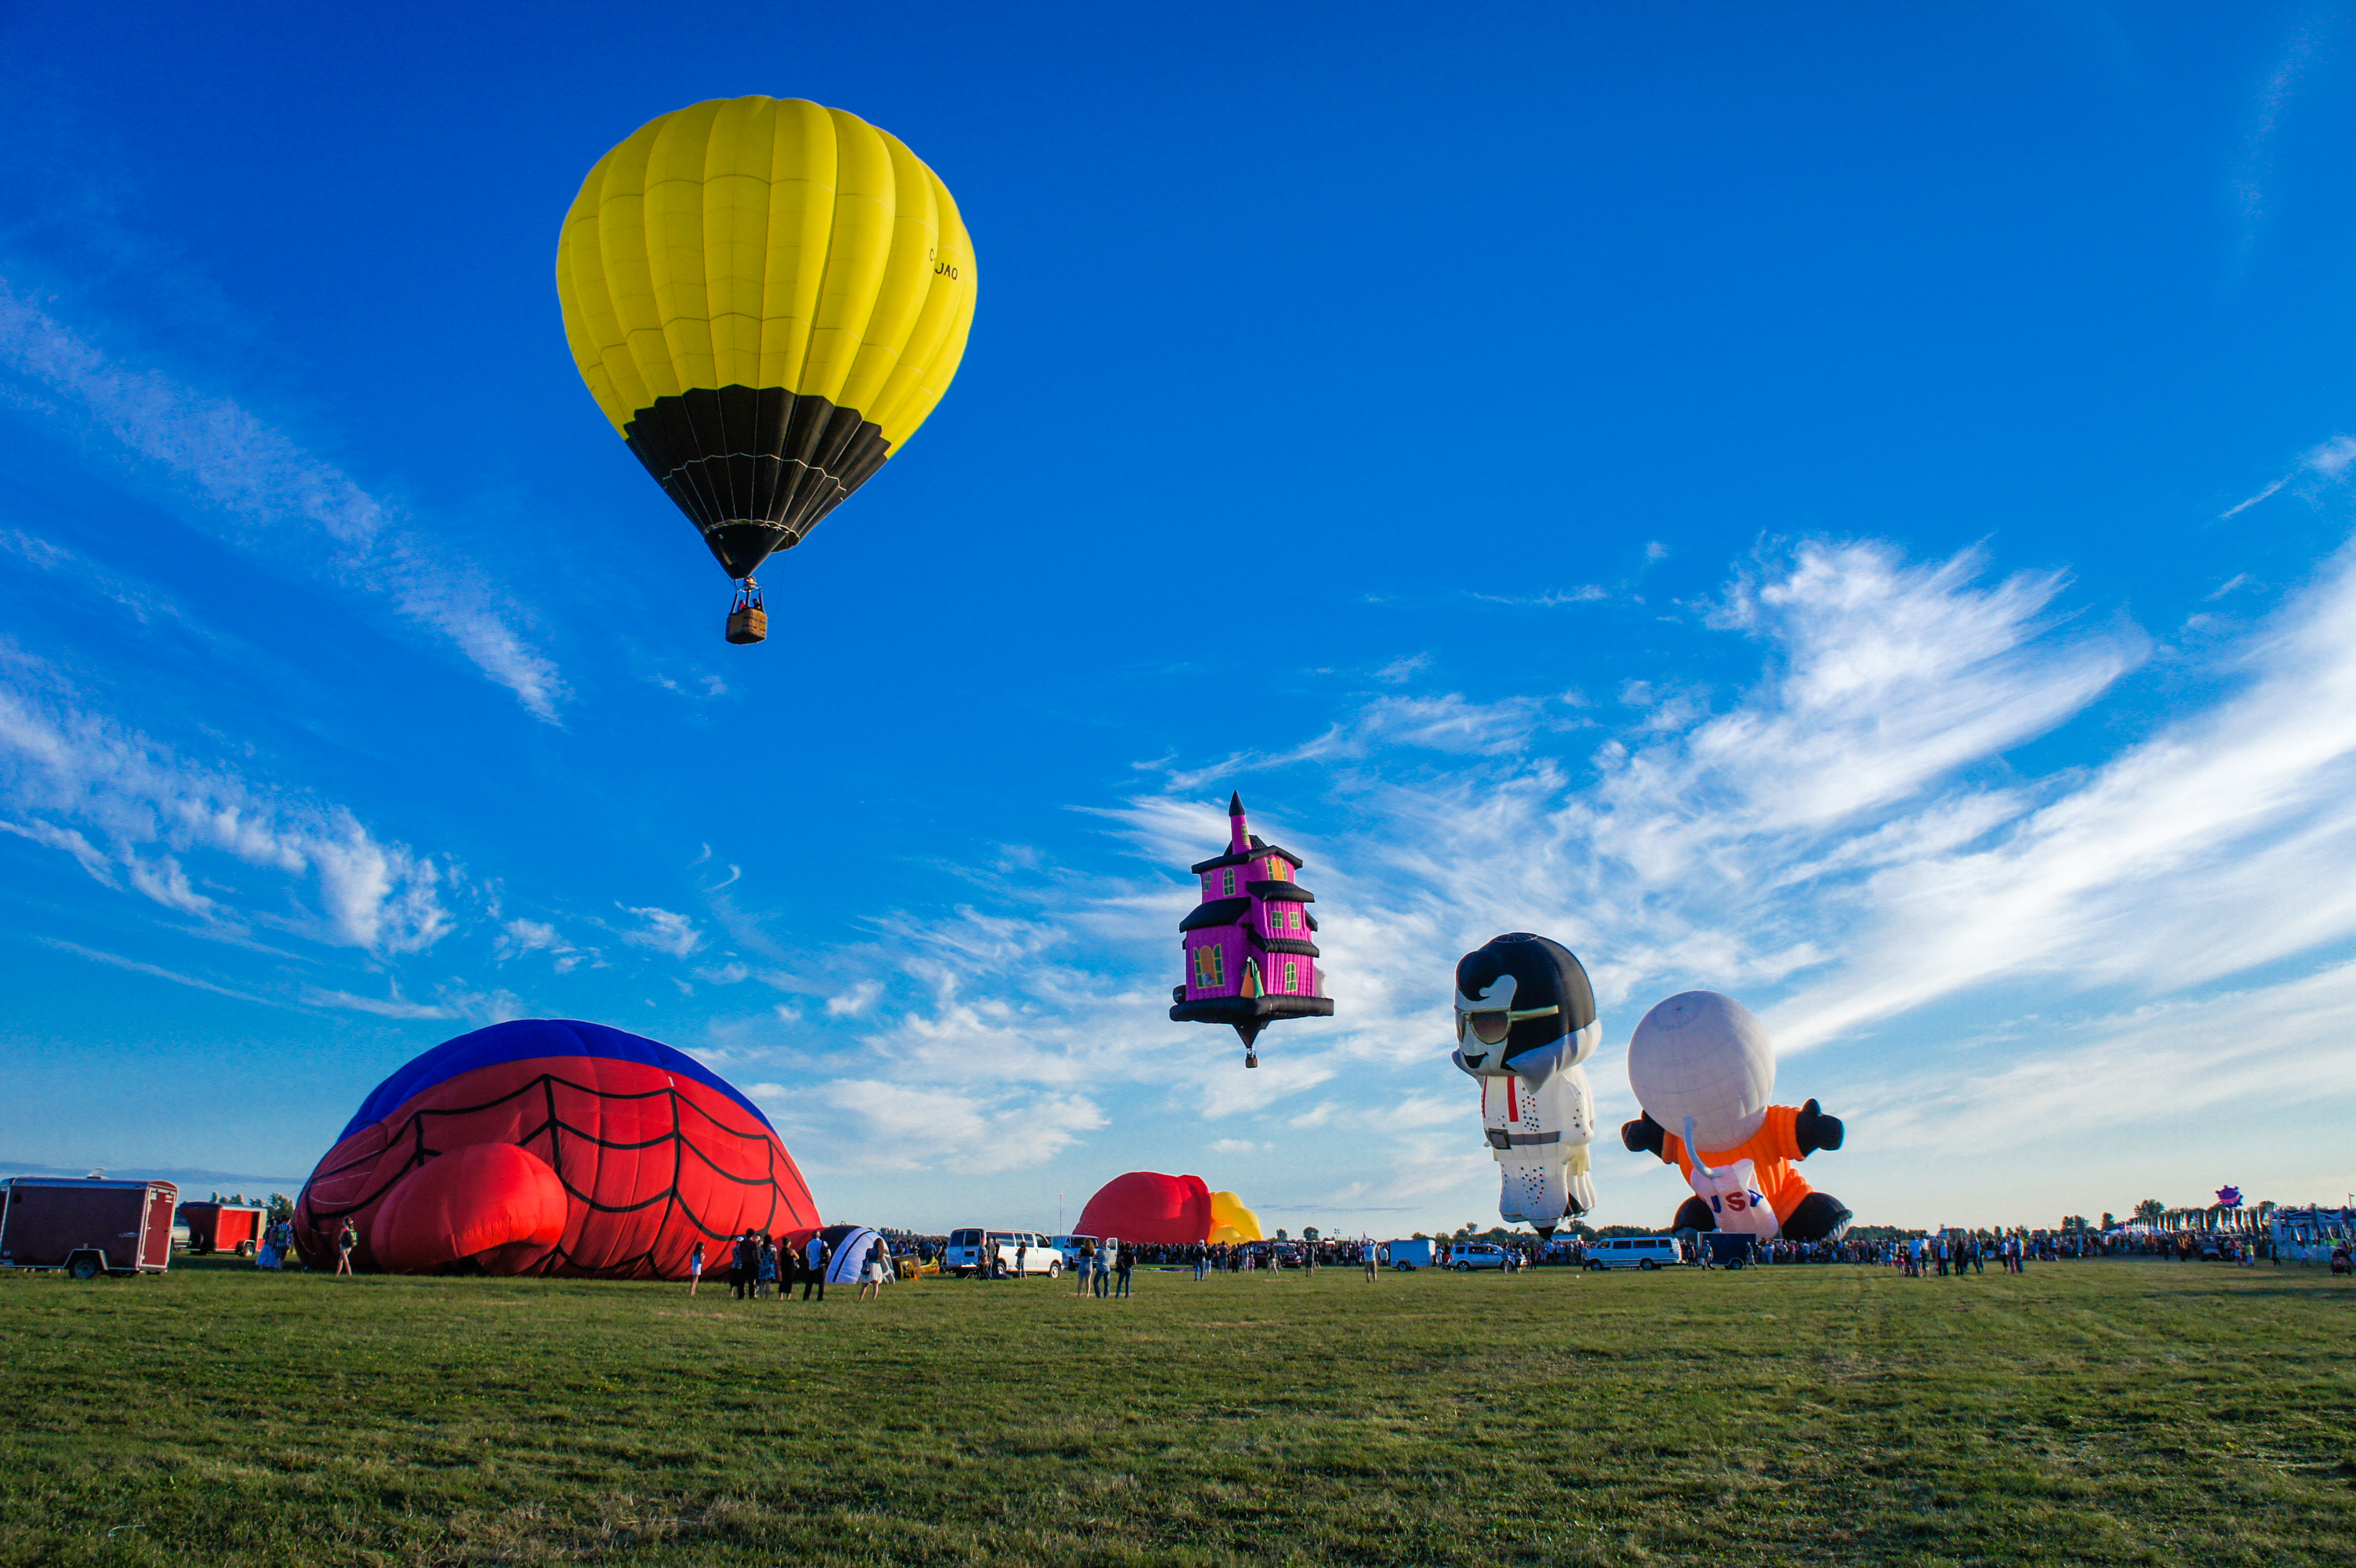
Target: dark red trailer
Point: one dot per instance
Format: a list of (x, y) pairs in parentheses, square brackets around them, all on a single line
[(224, 1227), (85, 1227)]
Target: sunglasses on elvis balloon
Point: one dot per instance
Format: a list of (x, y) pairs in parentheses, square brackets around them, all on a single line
[(1492, 1027)]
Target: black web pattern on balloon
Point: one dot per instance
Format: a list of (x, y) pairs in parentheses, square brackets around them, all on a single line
[(641, 1265)]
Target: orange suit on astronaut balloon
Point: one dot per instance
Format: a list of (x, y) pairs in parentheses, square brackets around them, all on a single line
[(1701, 1064)]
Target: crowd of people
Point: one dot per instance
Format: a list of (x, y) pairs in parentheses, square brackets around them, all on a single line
[(762, 1267)]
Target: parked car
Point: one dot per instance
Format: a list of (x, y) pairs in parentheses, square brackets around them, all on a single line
[(969, 1251), (1632, 1252), (1409, 1256), (85, 1227), (1068, 1248), (1466, 1256)]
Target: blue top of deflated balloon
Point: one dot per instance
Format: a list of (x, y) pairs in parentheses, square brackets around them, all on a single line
[(525, 1039)]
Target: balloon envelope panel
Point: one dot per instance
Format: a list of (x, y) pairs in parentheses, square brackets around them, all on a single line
[(650, 1150)]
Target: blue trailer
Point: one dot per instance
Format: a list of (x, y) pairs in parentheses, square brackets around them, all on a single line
[(1407, 1256)]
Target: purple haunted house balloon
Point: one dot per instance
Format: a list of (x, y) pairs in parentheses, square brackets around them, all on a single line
[(1249, 961)]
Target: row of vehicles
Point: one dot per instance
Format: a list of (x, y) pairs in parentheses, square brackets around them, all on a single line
[(1645, 1252), (969, 1251)]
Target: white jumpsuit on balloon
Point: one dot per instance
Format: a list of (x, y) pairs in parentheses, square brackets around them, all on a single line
[(1539, 1130)]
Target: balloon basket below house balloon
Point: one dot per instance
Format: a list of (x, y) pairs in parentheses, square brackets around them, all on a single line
[(747, 621)]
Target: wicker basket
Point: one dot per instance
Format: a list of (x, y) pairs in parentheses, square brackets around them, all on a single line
[(750, 623)]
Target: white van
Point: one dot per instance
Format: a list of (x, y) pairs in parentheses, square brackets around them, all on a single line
[(1068, 1247), (971, 1250), (1632, 1252)]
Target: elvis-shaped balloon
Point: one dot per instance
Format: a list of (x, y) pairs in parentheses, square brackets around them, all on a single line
[(1524, 1020)]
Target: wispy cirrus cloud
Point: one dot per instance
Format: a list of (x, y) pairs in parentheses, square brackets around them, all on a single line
[(449, 1002), (519, 937), (2327, 462), (832, 1127), (393, 1006), (136, 813), (273, 495), (1447, 723), (158, 972), (663, 930)]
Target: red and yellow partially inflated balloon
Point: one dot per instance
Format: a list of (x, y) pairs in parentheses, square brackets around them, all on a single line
[(1167, 1211)]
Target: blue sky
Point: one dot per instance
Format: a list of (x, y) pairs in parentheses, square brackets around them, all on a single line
[(1847, 509)]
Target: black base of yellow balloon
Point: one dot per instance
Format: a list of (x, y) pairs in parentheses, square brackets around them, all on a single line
[(754, 469)]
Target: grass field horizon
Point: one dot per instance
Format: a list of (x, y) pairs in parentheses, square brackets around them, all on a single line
[(2098, 1411)]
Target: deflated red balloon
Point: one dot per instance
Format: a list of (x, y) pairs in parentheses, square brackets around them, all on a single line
[(490, 1202)]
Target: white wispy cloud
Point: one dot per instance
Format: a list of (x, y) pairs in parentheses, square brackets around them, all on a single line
[(664, 930), (1448, 722), (859, 1125), (450, 1001), (851, 1002), (132, 812), (519, 937), (273, 495), (392, 1006), (2329, 462), (137, 966)]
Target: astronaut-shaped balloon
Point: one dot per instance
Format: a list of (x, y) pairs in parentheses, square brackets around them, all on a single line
[(1524, 1020), (1703, 1069)]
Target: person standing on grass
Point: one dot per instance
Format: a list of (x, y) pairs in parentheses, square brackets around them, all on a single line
[(1366, 1251), (764, 1276), (695, 1266), (1023, 1258), (346, 1239), (870, 1272), (1127, 1266), (816, 1259)]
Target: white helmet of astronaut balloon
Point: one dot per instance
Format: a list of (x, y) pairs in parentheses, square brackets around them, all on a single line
[(1703, 1056)]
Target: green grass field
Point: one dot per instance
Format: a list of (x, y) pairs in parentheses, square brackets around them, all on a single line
[(2085, 1413)]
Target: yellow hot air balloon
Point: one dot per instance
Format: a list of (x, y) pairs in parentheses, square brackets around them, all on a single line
[(767, 298)]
